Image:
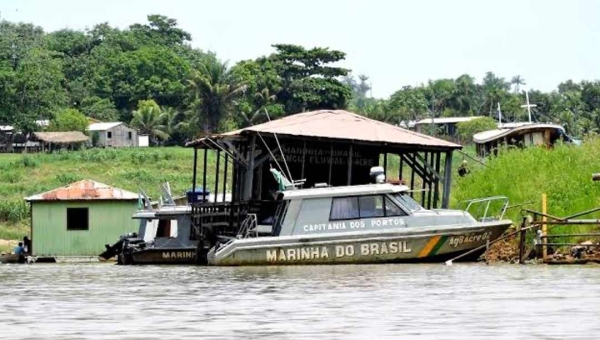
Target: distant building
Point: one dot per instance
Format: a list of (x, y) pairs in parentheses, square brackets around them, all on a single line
[(444, 126), (114, 134), (79, 219)]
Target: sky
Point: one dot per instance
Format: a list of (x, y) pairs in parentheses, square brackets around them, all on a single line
[(394, 42)]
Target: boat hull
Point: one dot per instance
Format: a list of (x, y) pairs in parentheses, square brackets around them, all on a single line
[(164, 256), (12, 258), (416, 245)]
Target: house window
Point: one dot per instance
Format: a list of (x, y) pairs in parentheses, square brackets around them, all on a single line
[(108, 135), (129, 135), (78, 219)]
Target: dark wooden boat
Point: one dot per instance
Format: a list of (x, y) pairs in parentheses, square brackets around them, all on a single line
[(12, 258)]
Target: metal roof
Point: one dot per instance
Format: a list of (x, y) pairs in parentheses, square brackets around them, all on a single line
[(103, 126), (487, 136), (341, 125), (84, 190), (353, 190), (447, 120)]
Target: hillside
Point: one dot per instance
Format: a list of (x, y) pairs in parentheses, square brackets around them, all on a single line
[(130, 169)]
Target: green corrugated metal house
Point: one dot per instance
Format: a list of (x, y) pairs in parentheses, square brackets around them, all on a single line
[(79, 219)]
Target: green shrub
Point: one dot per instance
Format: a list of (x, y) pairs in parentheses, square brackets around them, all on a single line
[(13, 210)]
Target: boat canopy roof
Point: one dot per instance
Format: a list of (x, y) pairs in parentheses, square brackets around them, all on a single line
[(490, 135), (164, 212), (353, 190)]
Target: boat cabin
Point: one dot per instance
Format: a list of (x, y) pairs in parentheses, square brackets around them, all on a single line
[(169, 226), (354, 208)]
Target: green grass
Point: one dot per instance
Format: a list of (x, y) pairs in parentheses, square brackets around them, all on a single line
[(129, 169), (563, 173)]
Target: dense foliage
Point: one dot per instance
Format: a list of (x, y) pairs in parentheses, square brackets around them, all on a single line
[(105, 73)]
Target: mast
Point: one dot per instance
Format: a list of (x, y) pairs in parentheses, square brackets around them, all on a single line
[(528, 106), (499, 116)]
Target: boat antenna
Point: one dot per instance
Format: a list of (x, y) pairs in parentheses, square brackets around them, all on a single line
[(281, 151), (499, 116), (528, 106)]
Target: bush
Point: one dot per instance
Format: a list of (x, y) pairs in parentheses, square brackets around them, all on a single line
[(13, 211), (466, 130)]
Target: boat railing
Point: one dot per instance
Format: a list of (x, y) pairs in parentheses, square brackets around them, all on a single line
[(480, 207), (249, 227)]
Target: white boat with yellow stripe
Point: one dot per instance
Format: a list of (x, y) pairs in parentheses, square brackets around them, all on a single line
[(375, 223)]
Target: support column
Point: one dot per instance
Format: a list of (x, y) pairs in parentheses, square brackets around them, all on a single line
[(250, 171), (204, 175), (217, 174), (350, 166), (447, 180), (195, 169)]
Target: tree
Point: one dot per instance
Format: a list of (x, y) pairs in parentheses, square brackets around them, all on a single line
[(517, 81), (265, 100), (467, 129), (102, 109), (309, 82), (215, 88), (69, 120), (148, 120)]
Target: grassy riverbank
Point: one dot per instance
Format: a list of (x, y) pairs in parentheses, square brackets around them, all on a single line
[(521, 175), (563, 173), (130, 169)]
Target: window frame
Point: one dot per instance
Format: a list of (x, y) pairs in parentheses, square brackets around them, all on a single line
[(384, 196), (78, 223), (108, 134)]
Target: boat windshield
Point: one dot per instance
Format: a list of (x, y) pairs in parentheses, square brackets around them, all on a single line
[(407, 201)]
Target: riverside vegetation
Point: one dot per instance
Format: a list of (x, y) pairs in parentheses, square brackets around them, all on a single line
[(563, 173)]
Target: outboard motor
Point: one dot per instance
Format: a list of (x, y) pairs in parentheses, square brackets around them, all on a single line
[(377, 174)]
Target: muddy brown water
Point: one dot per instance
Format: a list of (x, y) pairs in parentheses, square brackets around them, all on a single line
[(463, 301)]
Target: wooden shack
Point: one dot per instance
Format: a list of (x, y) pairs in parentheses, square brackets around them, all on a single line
[(113, 134), (80, 218), (50, 141)]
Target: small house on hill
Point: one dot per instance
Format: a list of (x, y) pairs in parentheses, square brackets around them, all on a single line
[(114, 134), (80, 218)]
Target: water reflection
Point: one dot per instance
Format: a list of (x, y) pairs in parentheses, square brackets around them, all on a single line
[(464, 301)]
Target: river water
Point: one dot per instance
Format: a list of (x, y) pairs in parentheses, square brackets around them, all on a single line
[(463, 301)]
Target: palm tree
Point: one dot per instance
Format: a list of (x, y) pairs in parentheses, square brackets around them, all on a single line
[(148, 119), (173, 120), (216, 89), (264, 99), (517, 81)]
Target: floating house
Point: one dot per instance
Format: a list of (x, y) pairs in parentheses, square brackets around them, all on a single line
[(113, 134), (80, 218), (313, 149), (519, 135)]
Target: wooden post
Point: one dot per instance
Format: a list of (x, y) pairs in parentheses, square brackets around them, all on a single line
[(385, 163), (447, 180), (400, 167), (217, 174), (195, 169), (350, 166), (225, 176), (330, 163), (303, 159), (544, 228), (250, 171), (204, 174)]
